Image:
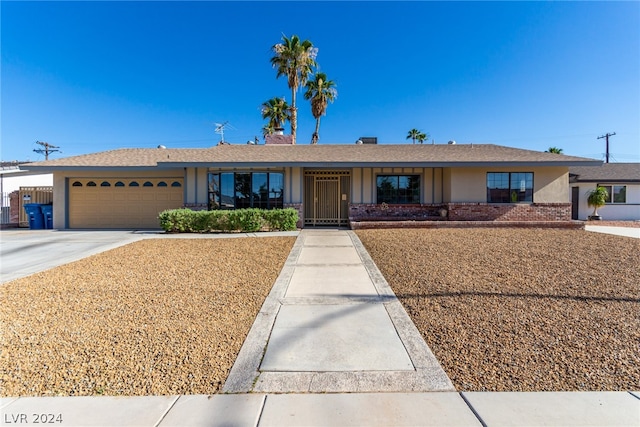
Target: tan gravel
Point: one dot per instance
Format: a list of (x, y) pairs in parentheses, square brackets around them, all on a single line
[(520, 309), (155, 317)]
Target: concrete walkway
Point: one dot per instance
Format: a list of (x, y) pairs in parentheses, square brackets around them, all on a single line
[(332, 346), (332, 324)]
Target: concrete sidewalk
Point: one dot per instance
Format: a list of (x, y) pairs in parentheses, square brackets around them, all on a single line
[(345, 409)]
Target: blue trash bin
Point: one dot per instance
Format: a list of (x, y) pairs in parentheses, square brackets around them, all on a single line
[(36, 219), (47, 213)]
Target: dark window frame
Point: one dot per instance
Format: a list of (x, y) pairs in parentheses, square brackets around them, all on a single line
[(511, 193), (241, 193), (612, 195), (397, 195)]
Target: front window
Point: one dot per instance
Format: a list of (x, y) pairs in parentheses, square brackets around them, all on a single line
[(615, 193), (398, 189), (236, 190), (509, 187)]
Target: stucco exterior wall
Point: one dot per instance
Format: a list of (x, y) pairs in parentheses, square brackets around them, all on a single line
[(550, 185), (363, 183), (12, 183), (629, 211), (293, 183), (463, 185)]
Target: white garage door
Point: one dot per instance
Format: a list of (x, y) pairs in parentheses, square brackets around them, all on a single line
[(121, 203)]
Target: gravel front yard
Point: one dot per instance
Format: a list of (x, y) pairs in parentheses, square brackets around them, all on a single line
[(520, 309), (155, 317)]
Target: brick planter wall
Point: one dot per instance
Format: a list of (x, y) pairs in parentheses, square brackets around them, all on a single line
[(374, 212), (196, 206), (461, 214), (509, 212), (300, 209), (567, 225)]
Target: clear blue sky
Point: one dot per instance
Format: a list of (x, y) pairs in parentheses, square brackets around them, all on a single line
[(94, 76)]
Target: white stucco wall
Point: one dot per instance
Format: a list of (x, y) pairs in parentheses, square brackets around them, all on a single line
[(629, 211), (12, 183)]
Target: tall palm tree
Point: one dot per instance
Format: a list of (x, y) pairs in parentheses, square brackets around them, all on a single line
[(554, 150), (413, 135), (320, 91), (277, 111), (294, 59), (267, 129)]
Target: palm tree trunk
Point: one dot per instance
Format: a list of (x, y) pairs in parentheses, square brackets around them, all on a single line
[(316, 134), (294, 116)]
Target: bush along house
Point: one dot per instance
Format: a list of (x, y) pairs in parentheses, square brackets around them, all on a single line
[(359, 185)]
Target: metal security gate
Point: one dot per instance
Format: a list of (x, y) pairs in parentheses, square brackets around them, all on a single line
[(326, 197)]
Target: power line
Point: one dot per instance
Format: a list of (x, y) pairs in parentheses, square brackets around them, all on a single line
[(48, 148), (607, 135)]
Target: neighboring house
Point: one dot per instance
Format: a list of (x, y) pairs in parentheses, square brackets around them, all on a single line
[(327, 184), (12, 178), (622, 181)]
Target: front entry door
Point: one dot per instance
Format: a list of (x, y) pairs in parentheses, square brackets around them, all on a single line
[(326, 199), (575, 196)]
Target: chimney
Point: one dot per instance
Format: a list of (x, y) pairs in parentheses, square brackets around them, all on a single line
[(278, 139)]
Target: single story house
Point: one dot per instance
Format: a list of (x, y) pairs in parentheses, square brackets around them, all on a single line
[(622, 181), (327, 184)]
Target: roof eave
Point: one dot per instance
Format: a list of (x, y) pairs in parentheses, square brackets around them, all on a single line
[(51, 169), (606, 181), (350, 164)]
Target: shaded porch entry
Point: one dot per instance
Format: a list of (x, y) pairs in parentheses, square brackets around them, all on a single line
[(575, 200), (326, 197)]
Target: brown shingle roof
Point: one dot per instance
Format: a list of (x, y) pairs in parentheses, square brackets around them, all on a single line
[(607, 172), (315, 155)]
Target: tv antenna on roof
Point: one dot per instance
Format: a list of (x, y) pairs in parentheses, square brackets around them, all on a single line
[(220, 129)]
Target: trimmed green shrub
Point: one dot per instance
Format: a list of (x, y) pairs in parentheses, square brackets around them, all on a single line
[(282, 219), (240, 220)]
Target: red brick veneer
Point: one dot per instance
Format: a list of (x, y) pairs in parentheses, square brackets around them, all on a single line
[(541, 213), (299, 207), (509, 211)]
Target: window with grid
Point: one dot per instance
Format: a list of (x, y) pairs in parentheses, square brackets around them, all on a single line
[(398, 189), (237, 190), (509, 187), (615, 193)]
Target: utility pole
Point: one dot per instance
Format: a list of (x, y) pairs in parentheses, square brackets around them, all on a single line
[(48, 148), (607, 139)]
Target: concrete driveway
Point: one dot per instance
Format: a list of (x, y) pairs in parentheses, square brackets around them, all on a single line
[(24, 252), (618, 231)]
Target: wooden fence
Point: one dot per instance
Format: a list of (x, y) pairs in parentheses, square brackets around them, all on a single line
[(43, 195)]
